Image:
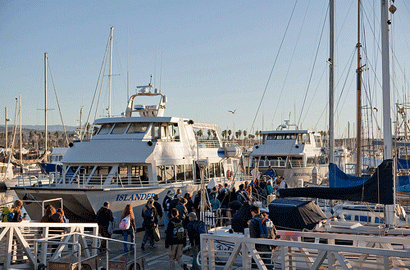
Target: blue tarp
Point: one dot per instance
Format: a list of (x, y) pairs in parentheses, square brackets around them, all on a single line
[(337, 178)]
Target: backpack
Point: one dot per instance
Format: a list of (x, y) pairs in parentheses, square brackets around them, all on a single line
[(125, 223), (266, 232), (199, 227), (148, 216), (179, 231), (7, 215)]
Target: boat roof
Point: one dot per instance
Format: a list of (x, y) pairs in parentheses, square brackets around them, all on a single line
[(301, 131), (137, 119)]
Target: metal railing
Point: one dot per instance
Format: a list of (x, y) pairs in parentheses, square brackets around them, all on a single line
[(304, 250), (18, 241)]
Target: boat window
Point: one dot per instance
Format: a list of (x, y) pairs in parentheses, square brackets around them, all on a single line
[(138, 175), (105, 129), (138, 128), (207, 138), (180, 173), (169, 174), (217, 170), (173, 131), (119, 128), (160, 174), (281, 137), (318, 141), (211, 170), (189, 174)]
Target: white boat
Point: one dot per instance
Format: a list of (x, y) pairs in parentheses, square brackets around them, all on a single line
[(131, 158), (293, 153)]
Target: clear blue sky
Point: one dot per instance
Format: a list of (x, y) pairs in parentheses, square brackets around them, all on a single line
[(208, 57)]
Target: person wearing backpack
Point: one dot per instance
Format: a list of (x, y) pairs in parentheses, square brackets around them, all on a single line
[(132, 228), (150, 222), (6, 214), (175, 240), (194, 229), (258, 229), (104, 217)]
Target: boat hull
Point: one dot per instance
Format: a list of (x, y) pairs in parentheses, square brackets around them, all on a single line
[(81, 205)]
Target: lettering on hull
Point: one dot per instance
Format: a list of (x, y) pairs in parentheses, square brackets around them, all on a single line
[(134, 197)]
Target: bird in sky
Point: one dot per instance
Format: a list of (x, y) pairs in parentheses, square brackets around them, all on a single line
[(233, 112)]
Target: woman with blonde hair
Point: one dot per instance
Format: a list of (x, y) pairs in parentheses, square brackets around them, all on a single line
[(133, 228)]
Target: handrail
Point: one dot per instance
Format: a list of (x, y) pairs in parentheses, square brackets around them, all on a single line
[(291, 251)]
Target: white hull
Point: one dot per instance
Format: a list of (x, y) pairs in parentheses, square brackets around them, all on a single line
[(81, 205)]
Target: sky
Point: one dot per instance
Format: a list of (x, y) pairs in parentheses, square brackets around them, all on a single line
[(265, 59)]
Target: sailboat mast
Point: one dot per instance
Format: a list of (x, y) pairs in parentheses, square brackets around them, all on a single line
[(359, 99), (21, 134), (387, 130), (5, 124), (45, 106), (109, 76), (331, 83)]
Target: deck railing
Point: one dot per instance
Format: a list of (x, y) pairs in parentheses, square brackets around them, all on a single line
[(17, 241), (304, 250)]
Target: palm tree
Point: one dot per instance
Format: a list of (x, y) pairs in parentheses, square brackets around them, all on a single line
[(239, 133), (209, 133), (229, 133), (224, 134), (199, 133)]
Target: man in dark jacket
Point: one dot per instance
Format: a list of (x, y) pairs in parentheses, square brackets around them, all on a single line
[(166, 204), (255, 232), (104, 216), (175, 240)]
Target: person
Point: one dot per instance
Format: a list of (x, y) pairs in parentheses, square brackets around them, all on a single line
[(49, 211), (132, 229), (270, 172), (189, 204), (255, 174), (104, 217), (157, 206), (269, 187), (175, 240), (280, 184), (17, 212), (57, 217), (242, 195), (166, 205), (183, 212), (194, 229), (255, 225), (150, 222)]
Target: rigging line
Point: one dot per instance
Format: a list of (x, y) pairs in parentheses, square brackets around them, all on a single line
[(96, 87), (290, 64), (274, 64), (101, 86), (317, 87), (313, 67), (352, 56), (58, 103)]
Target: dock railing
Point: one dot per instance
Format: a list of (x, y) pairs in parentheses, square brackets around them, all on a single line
[(18, 241), (304, 250)]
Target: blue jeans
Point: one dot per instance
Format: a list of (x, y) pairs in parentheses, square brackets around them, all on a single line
[(166, 220), (129, 232), (149, 235)]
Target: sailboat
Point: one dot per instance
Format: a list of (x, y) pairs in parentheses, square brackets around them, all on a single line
[(380, 188)]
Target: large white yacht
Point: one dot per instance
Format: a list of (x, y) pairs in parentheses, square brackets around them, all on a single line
[(131, 158), (295, 154)]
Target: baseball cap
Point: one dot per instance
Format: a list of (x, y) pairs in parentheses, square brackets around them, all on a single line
[(192, 215)]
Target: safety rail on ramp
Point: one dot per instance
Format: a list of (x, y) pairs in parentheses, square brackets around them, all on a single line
[(305, 250), (17, 241)]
